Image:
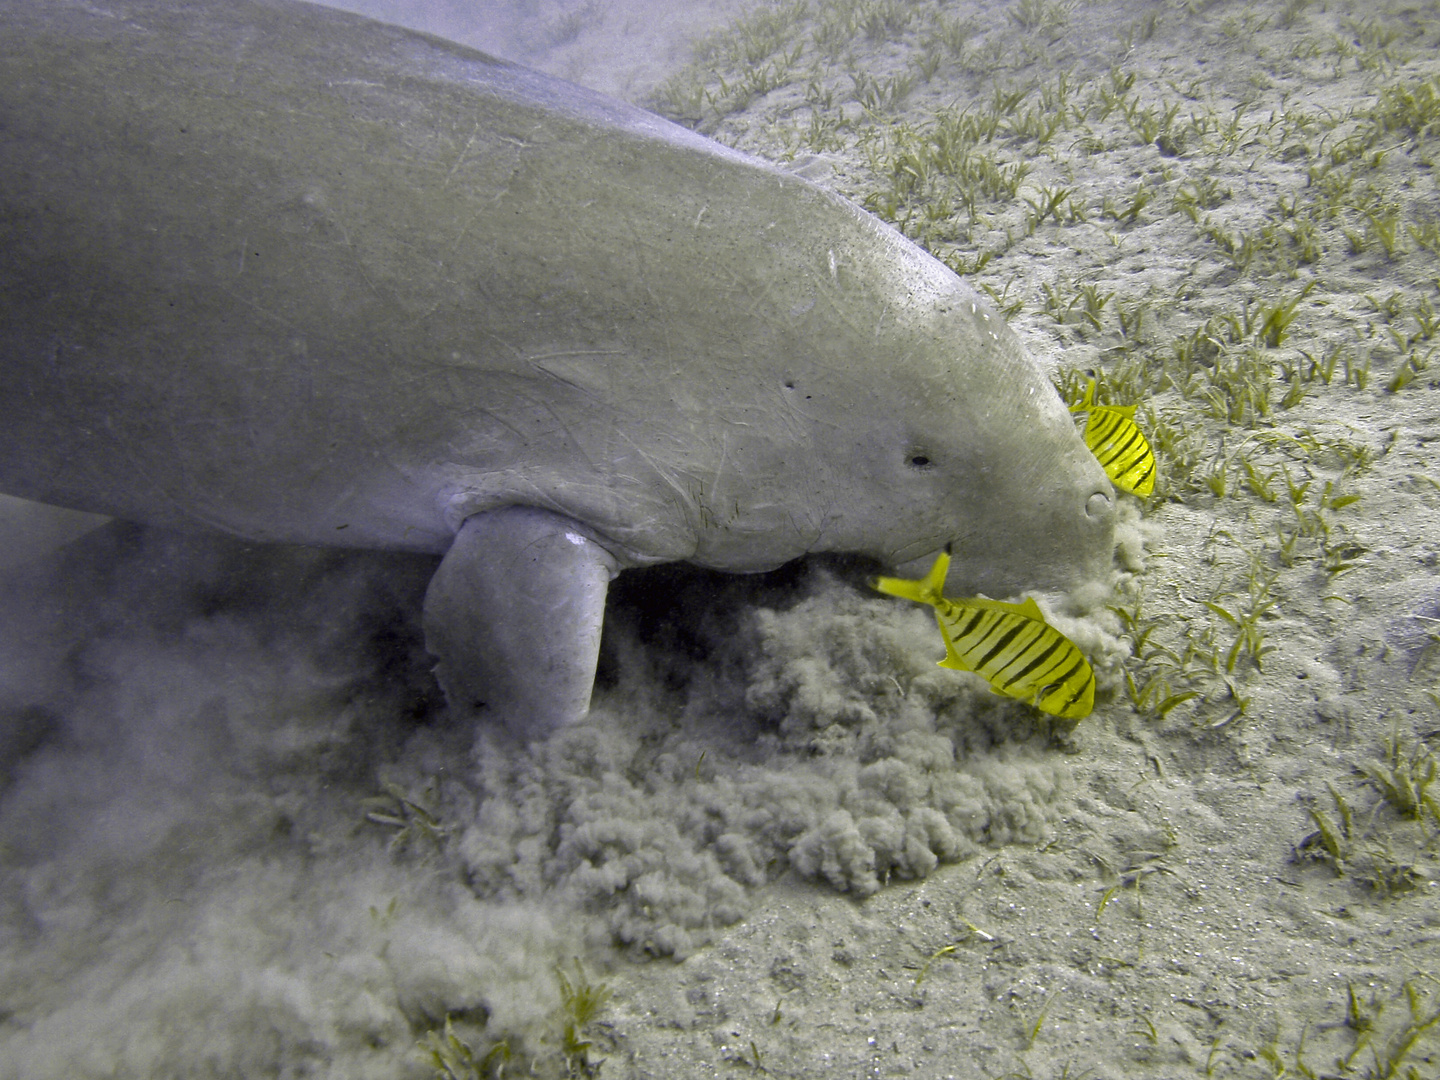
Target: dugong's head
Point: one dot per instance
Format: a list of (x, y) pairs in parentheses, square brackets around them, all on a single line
[(966, 443), (915, 420)]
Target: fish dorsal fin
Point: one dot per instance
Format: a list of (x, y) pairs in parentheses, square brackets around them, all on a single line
[(1088, 401), (1026, 609), (1030, 609), (1127, 411)]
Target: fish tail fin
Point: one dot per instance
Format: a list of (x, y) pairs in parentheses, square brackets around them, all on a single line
[(925, 591), (905, 588)]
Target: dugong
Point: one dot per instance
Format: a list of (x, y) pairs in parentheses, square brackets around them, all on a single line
[(300, 276)]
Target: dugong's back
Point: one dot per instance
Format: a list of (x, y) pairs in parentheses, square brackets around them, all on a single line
[(301, 276), (262, 240)]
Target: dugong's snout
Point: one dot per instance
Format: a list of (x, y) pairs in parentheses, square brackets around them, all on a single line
[(1070, 539), (1067, 537)]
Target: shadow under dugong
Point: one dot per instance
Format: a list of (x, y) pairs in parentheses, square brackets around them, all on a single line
[(300, 276)]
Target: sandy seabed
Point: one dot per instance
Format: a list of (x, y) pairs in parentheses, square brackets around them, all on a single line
[(238, 839)]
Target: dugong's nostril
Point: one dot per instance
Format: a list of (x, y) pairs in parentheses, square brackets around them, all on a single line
[(1098, 505)]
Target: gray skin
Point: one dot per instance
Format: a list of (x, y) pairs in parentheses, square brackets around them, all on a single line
[(300, 276)]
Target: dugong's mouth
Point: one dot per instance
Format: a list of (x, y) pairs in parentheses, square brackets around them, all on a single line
[(1011, 553)]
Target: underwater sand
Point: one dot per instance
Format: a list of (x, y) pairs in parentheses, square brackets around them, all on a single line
[(238, 838)]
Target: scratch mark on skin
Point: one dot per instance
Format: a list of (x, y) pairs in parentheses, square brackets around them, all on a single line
[(707, 519), (685, 500), (835, 305), (536, 361), (416, 320), (345, 242), (570, 437), (519, 435), (574, 352), (465, 231), (241, 53), (538, 497), (927, 545), (263, 311), (579, 388), (637, 250), (809, 535), (720, 465), (464, 153)]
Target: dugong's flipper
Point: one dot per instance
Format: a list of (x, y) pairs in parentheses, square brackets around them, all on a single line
[(514, 615)]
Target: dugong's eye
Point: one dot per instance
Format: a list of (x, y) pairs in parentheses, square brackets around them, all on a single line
[(918, 460)]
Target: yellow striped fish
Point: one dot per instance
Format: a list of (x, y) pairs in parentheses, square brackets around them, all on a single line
[(1009, 645), (1118, 445)]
